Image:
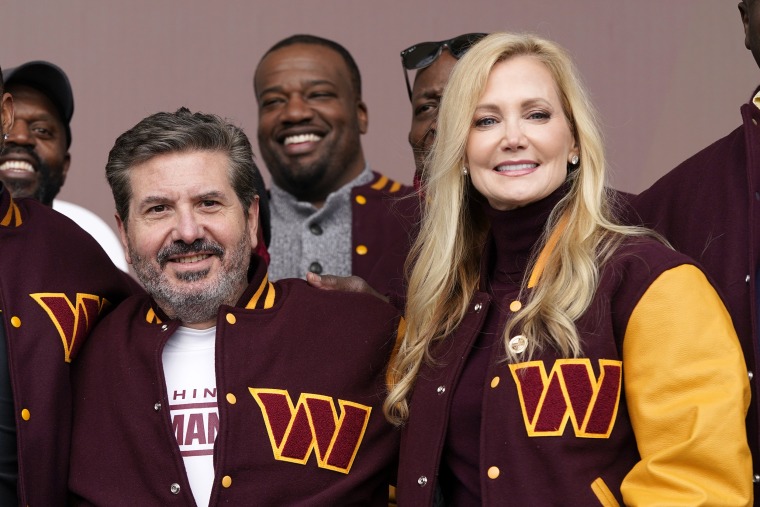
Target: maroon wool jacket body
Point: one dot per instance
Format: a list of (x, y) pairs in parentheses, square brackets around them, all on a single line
[(709, 208), (55, 283), (656, 406), (384, 218), (286, 353)]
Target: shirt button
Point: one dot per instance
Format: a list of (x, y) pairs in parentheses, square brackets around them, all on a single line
[(493, 472), (157, 406), (756, 478), (174, 488), (315, 267), (15, 321), (746, 278), (518, 344), (495, 382), (230, 318), (750, 375), (515, 306), (226, 481), (231, 399), (422, 480), (441, 389), (361, 199), (361, 250), (754, 121), (315, 229), (477, 307), (25, 414), (164, 327)]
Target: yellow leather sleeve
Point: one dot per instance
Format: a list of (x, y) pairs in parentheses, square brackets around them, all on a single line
[(687, 392)]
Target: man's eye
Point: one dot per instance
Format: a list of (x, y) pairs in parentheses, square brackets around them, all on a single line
[(157, 209)]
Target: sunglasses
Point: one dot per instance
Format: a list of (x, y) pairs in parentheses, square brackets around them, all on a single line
[(424, 54)]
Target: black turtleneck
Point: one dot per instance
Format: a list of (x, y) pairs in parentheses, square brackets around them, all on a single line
[(512, 238)]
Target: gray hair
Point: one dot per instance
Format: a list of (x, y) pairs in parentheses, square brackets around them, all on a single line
[(184, 131)]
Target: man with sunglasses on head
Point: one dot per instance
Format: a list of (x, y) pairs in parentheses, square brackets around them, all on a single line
[(330, 212), (433, 62)]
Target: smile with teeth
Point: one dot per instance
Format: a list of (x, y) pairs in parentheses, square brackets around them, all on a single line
[(17, 165), (515, 167), (194, 258), (302, 138)]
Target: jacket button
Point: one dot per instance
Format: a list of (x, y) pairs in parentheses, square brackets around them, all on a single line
[(495, 382), (361, 250), (746, 279), (15, 321), (422, 480), (315, 229), (477, 307), (750, 375), (174, 488), (226, 481), (493, 472), (518, 344), (361, 199), (231, 399), (441, 389), (756, 478), (754, 121), (515, 306), (157, 406), (25, 414), (315, 267), (164, 327), (230, 318)]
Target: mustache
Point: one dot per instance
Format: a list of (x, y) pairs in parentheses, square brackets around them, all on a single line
[(182, 248), (27, 150)]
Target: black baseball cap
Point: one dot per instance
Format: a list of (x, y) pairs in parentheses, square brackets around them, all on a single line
[(50, 80)]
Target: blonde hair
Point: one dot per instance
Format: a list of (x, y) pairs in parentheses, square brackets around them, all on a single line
[(444, 263)]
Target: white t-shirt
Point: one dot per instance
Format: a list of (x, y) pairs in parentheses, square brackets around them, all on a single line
[(188, 359), (97, 228)]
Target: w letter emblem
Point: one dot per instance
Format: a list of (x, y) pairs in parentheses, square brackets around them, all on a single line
[(73, 321), (313, 424), (569, 392)]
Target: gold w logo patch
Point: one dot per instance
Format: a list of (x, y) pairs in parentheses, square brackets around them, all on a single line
[(313, 424), (73, 320), (570, 392)]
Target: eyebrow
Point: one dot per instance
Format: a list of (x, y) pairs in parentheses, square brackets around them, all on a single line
[(524, 104)]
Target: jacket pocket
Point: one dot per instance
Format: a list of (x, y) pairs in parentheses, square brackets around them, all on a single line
[(603, 493)]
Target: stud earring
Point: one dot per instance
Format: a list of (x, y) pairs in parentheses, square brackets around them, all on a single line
[(5, 137), (574, 160), (465, 172)]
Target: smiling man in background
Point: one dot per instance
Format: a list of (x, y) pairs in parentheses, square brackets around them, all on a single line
[(330, 212)]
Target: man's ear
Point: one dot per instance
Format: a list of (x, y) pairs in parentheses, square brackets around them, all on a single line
[(362, 114), (123, 237), (6, 113), (66, 164), (253, 222)]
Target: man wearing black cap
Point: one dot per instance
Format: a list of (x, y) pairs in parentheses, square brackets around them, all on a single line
[(55, 282), (36, 158)]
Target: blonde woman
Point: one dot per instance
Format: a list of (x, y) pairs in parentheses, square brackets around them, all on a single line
[(552, 356)]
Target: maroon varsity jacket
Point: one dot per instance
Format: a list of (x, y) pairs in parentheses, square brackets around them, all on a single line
[(709, 208), (652, 413), (55, 283), (300, 382)]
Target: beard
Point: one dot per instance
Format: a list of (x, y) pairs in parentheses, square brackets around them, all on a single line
[(192, 305)]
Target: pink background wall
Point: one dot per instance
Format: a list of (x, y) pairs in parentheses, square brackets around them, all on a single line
[(668, 77)]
